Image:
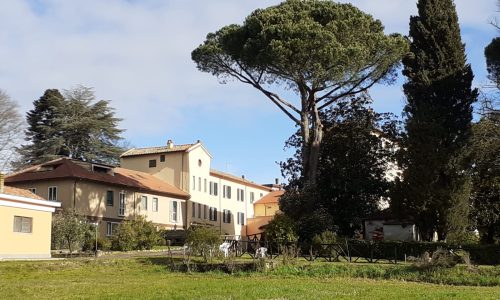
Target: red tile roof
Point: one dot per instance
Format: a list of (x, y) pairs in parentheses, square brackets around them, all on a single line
[(21, 193), (64, 168), (272, 197), (237, 179)]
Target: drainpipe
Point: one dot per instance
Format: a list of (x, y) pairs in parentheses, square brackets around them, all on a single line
[(220, 205), (74, 195)]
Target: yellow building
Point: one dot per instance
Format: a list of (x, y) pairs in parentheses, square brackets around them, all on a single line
[(25, 223), (217, 198), (264, 211), (105, 194)]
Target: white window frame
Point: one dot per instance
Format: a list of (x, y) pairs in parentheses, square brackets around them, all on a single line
[(205, 185), (52, 196), (154, 204), (174, 211), (226, 216), (33, 190), (214, 188), (199, 184), (22, 224), (241, 218), (122, 204), (241, 195), (252, 197), (110, 227), (194, 183), (144, 203), (213, 214)]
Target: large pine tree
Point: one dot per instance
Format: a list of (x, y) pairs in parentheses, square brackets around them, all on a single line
[(438, 119), (72, 125)]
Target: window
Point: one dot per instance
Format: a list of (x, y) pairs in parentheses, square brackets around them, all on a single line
[(173, 211), (214, 188), (155, 204), (152, 163), (52, 193), (205, 212), (205, 185), (213, 214), (193, 210), (199, 184), (162, 158), (110, 198), (241, 218), (226, 191), (261, 195), (194, 183), (111, 228), (23, 224), (121, 207), (144, 203), (199, 210), (226, 216), (252, 197), (241, 195), (33, 190)]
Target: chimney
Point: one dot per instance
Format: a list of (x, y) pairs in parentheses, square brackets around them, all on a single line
[(170, 144), (276, 180), (243, 176), (2, 182)]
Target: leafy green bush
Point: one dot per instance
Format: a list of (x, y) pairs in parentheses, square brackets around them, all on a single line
[(69, 230), (138, 234), (281, 229), (204, 241)]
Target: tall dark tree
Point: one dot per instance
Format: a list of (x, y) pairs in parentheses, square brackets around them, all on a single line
[(484, 152), (357, 155), (43, 133), (321, 50), (74, 125), (438, 119)]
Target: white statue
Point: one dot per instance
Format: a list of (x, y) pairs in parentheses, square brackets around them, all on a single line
[(261, 252), (225, 248)]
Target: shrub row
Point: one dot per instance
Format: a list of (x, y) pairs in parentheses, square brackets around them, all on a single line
[(479, 254)]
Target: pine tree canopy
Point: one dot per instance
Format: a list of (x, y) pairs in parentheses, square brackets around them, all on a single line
[(72, 124)]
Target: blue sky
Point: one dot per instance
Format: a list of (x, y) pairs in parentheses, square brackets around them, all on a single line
[(136, 53)]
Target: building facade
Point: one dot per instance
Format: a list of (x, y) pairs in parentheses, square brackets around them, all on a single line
[(25, 223), (216, 198), (105, 194)]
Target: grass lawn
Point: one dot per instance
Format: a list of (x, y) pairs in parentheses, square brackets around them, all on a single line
[(143, 278)]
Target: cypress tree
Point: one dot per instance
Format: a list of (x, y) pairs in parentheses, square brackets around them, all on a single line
[(438, 120)]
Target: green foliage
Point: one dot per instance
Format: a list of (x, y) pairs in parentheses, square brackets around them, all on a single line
[(74, 125), (485, 172), (492, 54), (204, 241), (281, 229), (138, 234), (356, 151), (321, 50), (69, 230), (438, 120)]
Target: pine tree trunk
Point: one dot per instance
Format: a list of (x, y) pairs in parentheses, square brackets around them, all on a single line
[(312, 136)]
